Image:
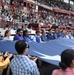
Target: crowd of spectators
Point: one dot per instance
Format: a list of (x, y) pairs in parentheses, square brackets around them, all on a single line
[(13, 16), (16, 19), (39, 36)]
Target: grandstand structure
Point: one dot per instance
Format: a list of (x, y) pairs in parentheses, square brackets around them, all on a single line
[(42, 3)]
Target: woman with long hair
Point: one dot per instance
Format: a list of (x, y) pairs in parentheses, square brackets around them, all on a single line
[(66, 64)]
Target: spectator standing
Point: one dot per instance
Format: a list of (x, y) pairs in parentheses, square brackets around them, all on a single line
[(21, 64)]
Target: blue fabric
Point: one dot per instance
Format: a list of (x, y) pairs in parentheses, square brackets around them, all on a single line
[(42, 50)]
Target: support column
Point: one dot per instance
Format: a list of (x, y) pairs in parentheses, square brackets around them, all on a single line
[(69, 5)]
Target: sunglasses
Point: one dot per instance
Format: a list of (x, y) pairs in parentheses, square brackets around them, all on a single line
[(28, 46)]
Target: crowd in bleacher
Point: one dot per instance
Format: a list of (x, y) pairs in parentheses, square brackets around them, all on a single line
[(39, 36), (56, 4), (15, 18)]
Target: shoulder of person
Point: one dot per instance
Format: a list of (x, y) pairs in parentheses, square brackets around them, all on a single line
[(55, 72)]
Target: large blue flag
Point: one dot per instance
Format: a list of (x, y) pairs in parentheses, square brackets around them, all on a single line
[(48, 52)]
